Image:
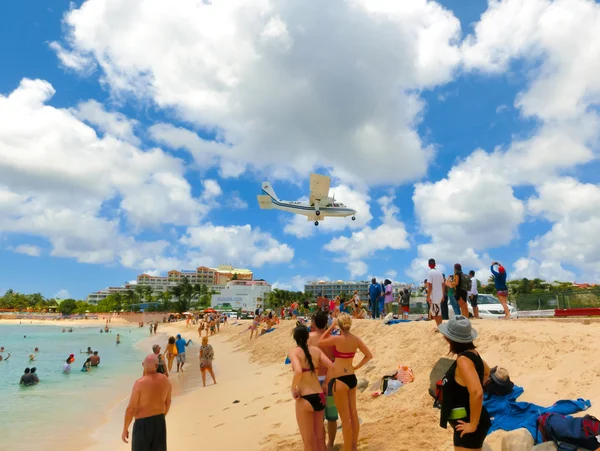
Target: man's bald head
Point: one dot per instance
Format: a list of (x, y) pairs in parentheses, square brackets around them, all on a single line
[(150, 363)]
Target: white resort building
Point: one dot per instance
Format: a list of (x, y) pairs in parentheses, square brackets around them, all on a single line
[(247, 295)]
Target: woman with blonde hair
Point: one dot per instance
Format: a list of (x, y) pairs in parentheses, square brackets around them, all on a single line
[(171, 352), (343, 379), (207, 355)]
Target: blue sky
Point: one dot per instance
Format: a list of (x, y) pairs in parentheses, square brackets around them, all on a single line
[(136, 137)]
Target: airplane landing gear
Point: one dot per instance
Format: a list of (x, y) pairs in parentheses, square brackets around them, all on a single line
[(316, 223), (318, 213), (354, 218)]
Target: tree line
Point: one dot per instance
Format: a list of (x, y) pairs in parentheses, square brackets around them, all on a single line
[(179, 298)]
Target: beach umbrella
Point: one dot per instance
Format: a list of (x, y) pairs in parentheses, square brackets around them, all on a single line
[(186, 313), (210, 310)]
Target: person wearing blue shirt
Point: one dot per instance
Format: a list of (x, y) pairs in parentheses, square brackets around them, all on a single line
[(374, 295), (181, 345), (501, 288)]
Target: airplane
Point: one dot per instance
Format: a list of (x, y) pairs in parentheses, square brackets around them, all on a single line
[(319, 206)]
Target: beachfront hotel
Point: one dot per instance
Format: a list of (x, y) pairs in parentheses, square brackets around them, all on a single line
[(202, 275), (214, 278), (331, 289)]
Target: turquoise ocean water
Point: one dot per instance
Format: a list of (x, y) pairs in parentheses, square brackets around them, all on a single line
[(63, 410)]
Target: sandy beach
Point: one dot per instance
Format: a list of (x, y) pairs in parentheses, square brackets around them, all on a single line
[(551, 359)]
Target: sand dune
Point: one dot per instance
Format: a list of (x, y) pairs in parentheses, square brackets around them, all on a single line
[(551, 359)]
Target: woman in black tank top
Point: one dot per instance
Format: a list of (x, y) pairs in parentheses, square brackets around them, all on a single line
[(462, 387)]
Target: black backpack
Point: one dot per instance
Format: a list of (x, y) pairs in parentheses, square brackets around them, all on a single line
[(465, 282)]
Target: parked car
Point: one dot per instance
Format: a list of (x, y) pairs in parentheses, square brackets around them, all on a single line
[(490, 308)]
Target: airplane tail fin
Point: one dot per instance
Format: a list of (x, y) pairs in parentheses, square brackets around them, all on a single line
[(268, 189), (265, 202)]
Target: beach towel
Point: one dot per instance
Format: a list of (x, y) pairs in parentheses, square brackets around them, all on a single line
[(508, 414), (398, 321)]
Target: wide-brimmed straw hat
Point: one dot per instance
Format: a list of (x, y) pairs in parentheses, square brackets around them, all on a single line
[(458, 329)]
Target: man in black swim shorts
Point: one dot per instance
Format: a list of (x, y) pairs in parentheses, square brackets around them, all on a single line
[(149, 403)]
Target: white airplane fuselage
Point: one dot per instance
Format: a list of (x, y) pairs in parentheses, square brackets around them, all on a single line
[(304, 208), (316, 209)]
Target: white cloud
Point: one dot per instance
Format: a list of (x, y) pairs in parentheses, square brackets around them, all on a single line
[(73, 60), (296, 283), (28, 249), (62, 295), (573, 238), (114, 123), (357, 268), (242, 69), (60, 181), (365, 243), (546, 270), (558, 41), (391, 274), (212, 189), (240, 244), (235, 202), (470, 209), (359, 200)]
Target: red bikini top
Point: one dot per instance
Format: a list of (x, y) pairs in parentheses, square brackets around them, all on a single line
[(343, 355)]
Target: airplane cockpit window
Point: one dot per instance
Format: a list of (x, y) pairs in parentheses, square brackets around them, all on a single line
[(336, 205), (329, 205)]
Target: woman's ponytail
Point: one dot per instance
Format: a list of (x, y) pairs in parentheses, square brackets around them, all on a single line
[(301, 337)]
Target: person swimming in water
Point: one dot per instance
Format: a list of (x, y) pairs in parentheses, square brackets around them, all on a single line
[(118, 338), (89, 351), (307, 390), (4, 358), (343, 377), (87, 365)]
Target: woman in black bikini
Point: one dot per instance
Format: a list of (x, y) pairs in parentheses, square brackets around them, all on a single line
[(307, 390), (462, 389), (343, 379)]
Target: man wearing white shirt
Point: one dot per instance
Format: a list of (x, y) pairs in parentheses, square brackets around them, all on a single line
[(435, 292), (473, 294)]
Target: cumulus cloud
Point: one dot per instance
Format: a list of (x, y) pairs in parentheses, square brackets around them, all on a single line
[(545, 270), (114, 123), (365, 243), (557, 42), (241, 244), (59, 180), (281, 84), (28, 249), (573, 238)]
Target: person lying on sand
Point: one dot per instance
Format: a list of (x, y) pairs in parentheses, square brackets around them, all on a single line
[(307, 390)]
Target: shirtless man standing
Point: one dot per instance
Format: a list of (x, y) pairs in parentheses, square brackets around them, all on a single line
[(318, 327), (149, 404)]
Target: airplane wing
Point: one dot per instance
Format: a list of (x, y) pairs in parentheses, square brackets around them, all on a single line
[(319, 187)]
